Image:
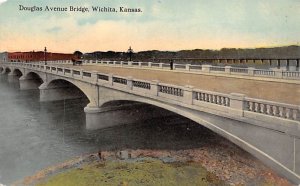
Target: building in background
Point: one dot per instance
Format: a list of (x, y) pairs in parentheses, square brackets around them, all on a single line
[(38, 56)]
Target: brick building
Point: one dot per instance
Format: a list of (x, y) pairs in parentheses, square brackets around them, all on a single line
[(38, 56)]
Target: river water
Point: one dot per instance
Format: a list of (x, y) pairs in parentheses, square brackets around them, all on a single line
[(35, 135)]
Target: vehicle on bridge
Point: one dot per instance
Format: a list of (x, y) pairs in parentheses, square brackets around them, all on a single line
[(76, 62)]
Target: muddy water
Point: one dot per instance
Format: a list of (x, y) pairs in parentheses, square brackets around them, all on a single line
[(35, 135)]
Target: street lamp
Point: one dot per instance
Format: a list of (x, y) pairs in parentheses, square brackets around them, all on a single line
[(130, 52), (45, 55)]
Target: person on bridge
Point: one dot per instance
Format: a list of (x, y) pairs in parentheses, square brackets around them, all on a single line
[(171, 64)]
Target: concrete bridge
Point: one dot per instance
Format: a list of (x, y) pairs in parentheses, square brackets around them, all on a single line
[(268, 127)]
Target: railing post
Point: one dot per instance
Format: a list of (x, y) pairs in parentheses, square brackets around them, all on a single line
[(188, 95), (140, 64), (110, 79), (278, 73), (154, 87), (187, 67), (227, 69), (160, 65), (63, 71), (149, 64), (129, 63), (72, 73), (94, 76), (81, 73), (237, 103), (251, 71), (206, 68), (129, 83)]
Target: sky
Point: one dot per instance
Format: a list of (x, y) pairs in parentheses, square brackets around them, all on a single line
[(162, 25)]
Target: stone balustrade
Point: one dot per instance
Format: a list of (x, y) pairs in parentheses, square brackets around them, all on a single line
[(224, 103), (228, 70), (271, 73)]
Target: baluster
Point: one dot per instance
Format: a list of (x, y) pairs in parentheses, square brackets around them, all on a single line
[(256, 108), (204, 97), (252, 106), (197, 96), (281, 112), (227, 101), (215, 99), (218, 100), (223, 100), (295, 114), (262, 108), (288, 113), (275, 111), (270, 110)]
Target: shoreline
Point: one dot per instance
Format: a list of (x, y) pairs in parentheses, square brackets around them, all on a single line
[(229, 167)]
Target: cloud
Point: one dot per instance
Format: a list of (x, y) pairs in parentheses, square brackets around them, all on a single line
[(54, 29)]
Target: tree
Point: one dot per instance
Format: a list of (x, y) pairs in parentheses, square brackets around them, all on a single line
[(78, 54)]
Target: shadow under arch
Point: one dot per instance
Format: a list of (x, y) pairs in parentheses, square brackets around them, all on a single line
[(30, 81), (60, 89), (17, 72), (7, 70)]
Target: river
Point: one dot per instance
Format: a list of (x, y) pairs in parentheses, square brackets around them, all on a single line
[(35, 135)]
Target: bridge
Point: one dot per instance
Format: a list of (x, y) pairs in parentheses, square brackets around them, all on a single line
[(256, 109)]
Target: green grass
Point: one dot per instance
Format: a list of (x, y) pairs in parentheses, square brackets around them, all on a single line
[(146, 172)]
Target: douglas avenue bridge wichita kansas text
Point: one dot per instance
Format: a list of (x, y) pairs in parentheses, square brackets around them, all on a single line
[(82, 9)]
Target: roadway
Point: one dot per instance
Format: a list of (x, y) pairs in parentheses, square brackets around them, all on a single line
[(279, 90)]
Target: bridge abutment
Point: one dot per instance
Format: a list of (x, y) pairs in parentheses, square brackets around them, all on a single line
[(103, 117)]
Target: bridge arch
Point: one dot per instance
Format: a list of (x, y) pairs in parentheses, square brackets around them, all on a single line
[(17, 72), (227, 128), (7, 70), (64, 88), (33, 76)]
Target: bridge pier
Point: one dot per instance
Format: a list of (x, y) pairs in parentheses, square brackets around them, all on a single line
[(58, 93), (103, 117), (11, 78)]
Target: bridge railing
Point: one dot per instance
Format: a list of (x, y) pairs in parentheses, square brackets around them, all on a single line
[(228, 105), (229, 70)]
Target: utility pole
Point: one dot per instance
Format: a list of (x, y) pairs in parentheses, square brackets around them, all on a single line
[(45, 55), (130, 52)]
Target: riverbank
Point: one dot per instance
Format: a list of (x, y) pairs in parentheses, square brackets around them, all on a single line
[(225, 165)]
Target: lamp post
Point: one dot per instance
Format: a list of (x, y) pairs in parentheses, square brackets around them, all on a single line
[(45, 55), (130, 52)]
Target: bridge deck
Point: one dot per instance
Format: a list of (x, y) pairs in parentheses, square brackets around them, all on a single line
[(285, 91)]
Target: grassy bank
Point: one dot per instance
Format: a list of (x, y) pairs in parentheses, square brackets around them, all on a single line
[(140, 172)]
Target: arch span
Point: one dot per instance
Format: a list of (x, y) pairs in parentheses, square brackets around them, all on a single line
[(252, 138), (7, 70), (17, 72), (30, 80), (60, 89)]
